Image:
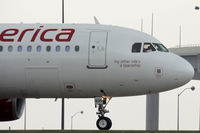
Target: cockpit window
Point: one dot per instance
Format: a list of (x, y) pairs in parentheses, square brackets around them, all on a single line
[(136, 47), (148, 48), (160, 47)]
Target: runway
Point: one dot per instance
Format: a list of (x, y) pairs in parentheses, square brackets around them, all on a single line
[(91, 131)]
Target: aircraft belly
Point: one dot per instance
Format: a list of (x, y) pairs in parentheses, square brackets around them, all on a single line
[(63, 79), (11, 77), (42, 79)]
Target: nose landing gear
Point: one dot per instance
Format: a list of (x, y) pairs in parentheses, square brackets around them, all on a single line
[(103, 123)]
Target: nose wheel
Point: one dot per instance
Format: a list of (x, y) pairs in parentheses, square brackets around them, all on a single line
[(103, 123)]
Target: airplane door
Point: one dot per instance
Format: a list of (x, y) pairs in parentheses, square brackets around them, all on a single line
[(97, 50)]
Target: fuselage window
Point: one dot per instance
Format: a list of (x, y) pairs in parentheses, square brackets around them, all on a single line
[(48, 48), (76, 48), (1, 48), (160, 47), (39, 48), (10, 48), (148, 47), (57, 48), (67, 48), (19, 48), (136, 47), (29, 48)]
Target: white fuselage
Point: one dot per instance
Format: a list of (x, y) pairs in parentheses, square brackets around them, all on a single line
[(81, 60)]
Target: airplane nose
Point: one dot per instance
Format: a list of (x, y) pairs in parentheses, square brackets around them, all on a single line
[(184, 71), (187, 71)]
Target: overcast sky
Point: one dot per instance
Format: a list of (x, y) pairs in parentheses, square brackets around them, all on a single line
[(127, 113)]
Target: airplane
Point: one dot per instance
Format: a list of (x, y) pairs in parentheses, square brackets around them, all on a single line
[(83, 61)]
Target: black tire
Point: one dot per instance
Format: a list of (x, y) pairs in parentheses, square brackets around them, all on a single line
[(104, 123)]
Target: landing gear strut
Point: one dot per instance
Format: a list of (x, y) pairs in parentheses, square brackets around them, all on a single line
[(103, 123)]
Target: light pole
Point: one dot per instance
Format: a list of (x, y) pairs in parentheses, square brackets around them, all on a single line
[(192, 88), (81, 112), (63, 100), (180, 36), (25, 115)]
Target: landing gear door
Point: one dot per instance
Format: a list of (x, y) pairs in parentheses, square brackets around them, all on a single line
[(97, 50)]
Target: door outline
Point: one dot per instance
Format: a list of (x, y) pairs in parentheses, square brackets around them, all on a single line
[(102, 66)]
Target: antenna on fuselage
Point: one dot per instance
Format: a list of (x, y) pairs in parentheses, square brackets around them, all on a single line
[(96, 20)]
